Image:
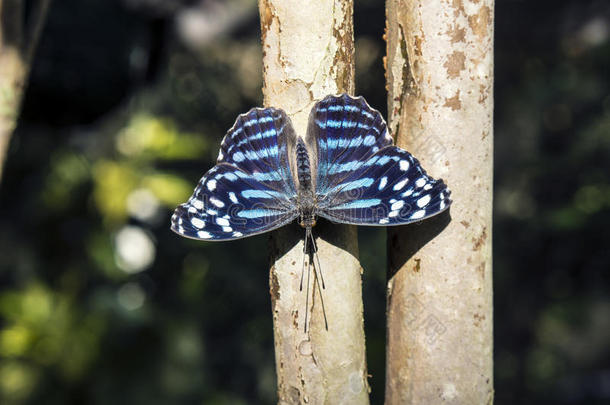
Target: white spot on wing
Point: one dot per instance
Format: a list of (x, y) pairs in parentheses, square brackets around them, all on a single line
[(204, 235), (222, 222), (404, 165), (227, 229), (232, 197), (217, 202), (211, 185), (397, 205), (400, 184), (418, 214), (198, 223), (197, 204), (422, 202), (383, 182), (420, 182)]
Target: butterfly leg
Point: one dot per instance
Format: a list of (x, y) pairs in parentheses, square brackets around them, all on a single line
[(318, 278), (317, 272), (317, 257)]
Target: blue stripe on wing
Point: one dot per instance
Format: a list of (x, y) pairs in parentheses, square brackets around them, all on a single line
[(389, 188), (229, 203), (257, 144), (348, 133)]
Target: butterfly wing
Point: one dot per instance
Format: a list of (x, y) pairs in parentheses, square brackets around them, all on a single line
[(362, 179), (258, 143), (250, 190), (389, 188), (346, 131)]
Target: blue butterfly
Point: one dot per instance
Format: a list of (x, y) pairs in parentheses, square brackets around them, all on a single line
[(345, 169)]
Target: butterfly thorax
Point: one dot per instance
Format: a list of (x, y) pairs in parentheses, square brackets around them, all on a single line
[(305, 198)]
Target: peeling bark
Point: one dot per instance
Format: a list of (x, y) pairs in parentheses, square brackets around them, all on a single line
[(308, 53), (439, 71), (17, 45)]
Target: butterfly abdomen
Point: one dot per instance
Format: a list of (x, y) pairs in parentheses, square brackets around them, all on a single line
[(303, 166), (306, 194)]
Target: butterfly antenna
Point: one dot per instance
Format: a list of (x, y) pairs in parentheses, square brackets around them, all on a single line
[(317, 257), (321, 296), (303, 267), (307, 296)]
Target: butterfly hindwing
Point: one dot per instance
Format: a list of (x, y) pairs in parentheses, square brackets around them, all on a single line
[(389, 188), (229, 203)]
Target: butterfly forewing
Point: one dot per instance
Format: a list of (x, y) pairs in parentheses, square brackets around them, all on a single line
[(258, 144), (347, 132), (250, 190)]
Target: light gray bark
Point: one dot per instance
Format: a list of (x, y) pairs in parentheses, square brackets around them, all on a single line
[(308, 53), (440, 80)]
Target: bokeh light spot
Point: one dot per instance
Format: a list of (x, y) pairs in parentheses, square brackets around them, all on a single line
[(131, 296), (135, 249)]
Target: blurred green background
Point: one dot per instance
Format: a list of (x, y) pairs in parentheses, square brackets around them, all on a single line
[(126, 106)]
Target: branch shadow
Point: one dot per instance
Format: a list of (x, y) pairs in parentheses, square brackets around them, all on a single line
[(284, 239), (343, 236), (340, 235), (403, 241), (406, 240)]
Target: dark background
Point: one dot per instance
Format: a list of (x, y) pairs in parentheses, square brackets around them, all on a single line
[(126, 106)]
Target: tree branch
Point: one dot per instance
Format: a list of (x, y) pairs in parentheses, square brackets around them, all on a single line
[(308, 54), (11, 18), (440, 103), (17, 47), (35, 24)]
